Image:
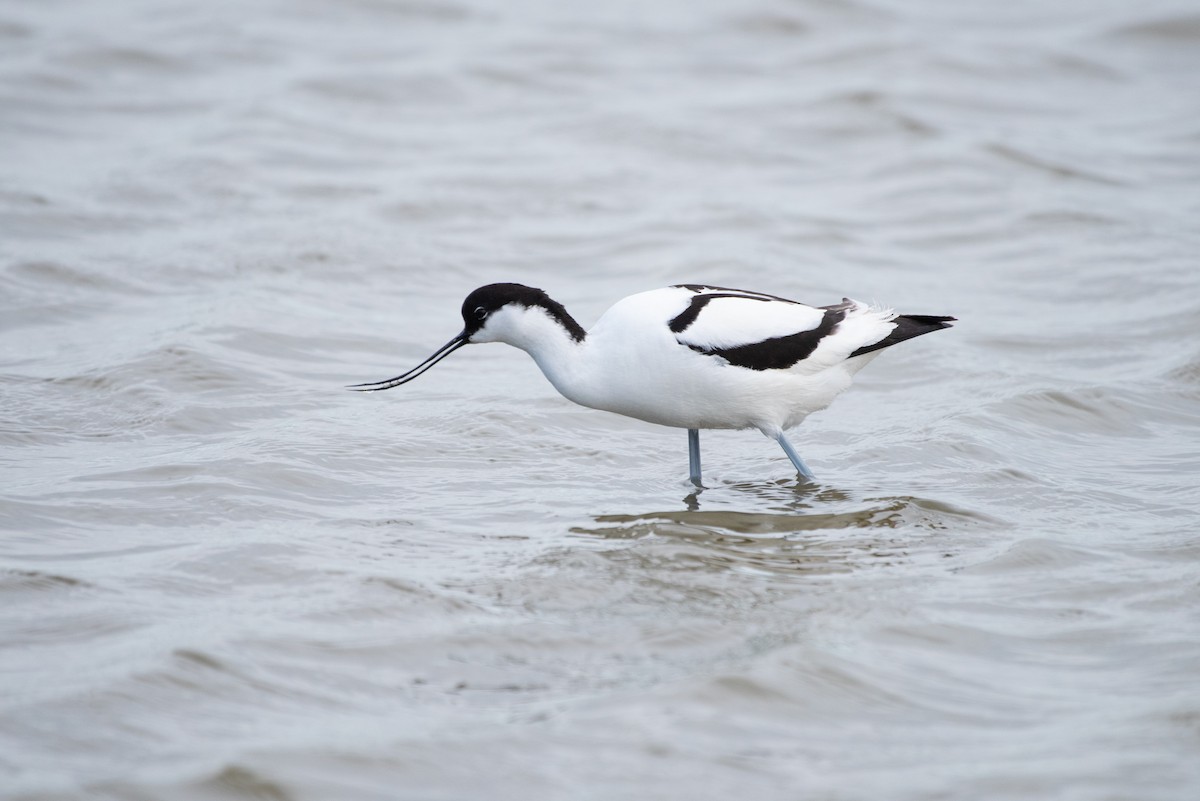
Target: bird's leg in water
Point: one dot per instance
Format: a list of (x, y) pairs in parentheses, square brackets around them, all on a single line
[(694, 455), (801, 467)]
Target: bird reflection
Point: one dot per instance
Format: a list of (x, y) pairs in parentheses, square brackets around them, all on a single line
[(796, 496), (776, 527)]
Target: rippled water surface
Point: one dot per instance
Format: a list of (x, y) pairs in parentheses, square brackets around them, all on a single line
[(224, 577)]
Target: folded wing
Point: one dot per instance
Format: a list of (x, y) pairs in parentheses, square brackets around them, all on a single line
[(763, 332)]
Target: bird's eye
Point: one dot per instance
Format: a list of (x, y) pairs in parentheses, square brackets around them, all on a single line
[(480, 312)]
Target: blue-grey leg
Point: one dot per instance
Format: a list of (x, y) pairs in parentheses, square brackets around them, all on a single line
[(694, 455), (801, 467)]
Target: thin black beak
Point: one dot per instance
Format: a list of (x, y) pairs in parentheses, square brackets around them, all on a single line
[(404, 378)]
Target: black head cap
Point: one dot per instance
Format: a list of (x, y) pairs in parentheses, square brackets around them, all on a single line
[(486, 300)]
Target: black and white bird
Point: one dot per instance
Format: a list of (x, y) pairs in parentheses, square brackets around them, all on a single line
[(689, 356)]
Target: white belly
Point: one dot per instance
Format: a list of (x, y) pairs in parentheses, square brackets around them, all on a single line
[(672, 385)]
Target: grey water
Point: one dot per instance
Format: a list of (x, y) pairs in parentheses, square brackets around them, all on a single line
[(222, 576)]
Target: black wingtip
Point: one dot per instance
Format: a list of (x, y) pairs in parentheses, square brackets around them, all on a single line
[(907, 327), (934, 322)]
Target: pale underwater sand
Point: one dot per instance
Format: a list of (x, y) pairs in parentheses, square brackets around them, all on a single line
[(224, 577)]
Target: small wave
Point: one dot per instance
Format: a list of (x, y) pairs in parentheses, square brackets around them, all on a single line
[(40, 277), (1034, 554), (36, 581), (1183, 30), (1081, 411), (1050, 166), (238, 781)]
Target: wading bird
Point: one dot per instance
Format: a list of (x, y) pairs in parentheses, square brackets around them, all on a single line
[(689, 356)]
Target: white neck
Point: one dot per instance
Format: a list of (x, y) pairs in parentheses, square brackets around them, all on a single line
[(534, 331)]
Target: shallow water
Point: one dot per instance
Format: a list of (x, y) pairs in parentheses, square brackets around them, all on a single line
[(222, 576)]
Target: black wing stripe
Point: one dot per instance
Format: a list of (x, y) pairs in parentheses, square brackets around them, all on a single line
[(685, 318), (777, 353), (737, 293)]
